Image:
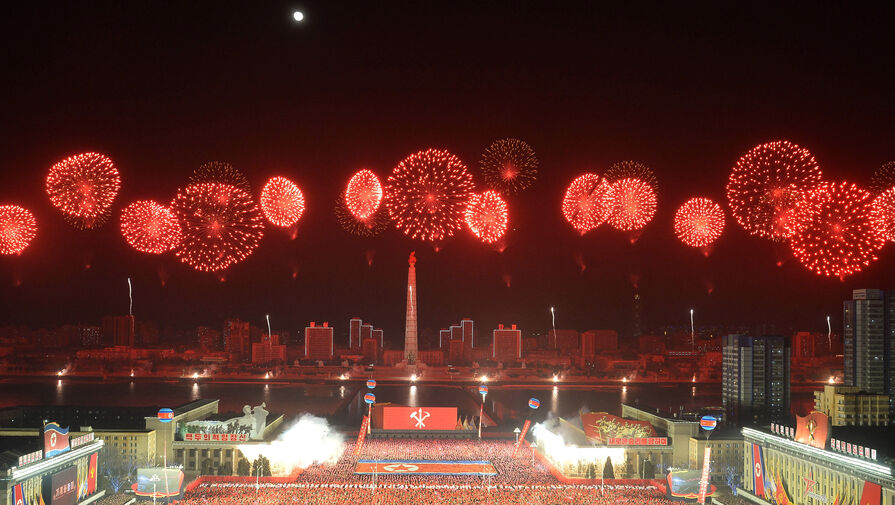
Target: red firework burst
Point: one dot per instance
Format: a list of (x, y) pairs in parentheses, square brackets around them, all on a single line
[(83, 187), (699, 222), (363, 195), (509, 165), (838, 238), (486, 216), (883, 214), (370, 227), (282, 202), (17, 229), (220, 172), (883, 179), (221, 225), (632, 170), (631, 204), (765, 186), (150, 227), (426, 194), (582, 205)]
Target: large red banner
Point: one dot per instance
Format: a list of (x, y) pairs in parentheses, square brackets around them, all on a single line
[(521, 436), (600, 427), (407, 467), (361, 435), (871, 493), (419, 418), (813, 429), (757, 472)]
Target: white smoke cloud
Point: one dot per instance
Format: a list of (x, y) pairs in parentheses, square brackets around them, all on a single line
[(308, 441)]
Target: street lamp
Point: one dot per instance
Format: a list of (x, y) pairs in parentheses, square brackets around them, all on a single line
[(516, 432)]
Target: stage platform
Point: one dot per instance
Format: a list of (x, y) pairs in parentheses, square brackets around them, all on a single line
[(423, 467)]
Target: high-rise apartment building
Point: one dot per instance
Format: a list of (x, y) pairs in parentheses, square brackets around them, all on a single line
[(506, 343), (354, 337), (236, 337), (755, 378), (319, 342), (869, 340)]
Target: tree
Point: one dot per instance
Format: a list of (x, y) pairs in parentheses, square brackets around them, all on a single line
[(608, 472), (649, 470), (117, 469), (261, 467), (243, 468), (733, 478)]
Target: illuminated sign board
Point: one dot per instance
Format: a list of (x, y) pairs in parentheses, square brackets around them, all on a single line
[(638, 441), (216, 437)]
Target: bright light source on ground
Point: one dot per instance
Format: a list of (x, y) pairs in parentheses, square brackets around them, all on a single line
[(195, 375), (624, 379), (59, 372), (556, 378), (413, 378), (298, 16), (343, 377), (832, 379), (484, 378)]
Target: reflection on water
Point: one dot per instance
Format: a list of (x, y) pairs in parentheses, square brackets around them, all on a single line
[(194, 393)]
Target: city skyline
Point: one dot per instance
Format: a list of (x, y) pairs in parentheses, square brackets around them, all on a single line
[(327, 274)]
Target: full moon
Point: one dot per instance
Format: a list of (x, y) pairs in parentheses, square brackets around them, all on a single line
[(298, 15)]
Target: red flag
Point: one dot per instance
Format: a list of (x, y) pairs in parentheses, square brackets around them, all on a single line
[(91, 474), (871, 494), (757, 471), (521, 436), (361, 436), (18, 495)]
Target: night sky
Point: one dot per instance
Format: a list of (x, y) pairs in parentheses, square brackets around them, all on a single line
[(161, 87)]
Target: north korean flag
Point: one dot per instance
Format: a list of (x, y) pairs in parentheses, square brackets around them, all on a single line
[(757, 471), (870, 495), (18, 495)]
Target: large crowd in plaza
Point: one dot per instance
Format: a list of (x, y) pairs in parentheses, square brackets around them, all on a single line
[(520, 481)]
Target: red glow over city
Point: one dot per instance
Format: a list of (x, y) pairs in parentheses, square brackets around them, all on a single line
[(83, 188), (150, 227), (282, 202), (17, 229), (486, 216)]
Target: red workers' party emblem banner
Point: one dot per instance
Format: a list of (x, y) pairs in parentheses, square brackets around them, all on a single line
[(813, 429), (421, 467), (870, 494), (91, 474), (419, 418)]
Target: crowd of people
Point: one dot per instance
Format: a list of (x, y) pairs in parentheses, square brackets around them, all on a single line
[(522, 480), (520, 470), (403, 494)]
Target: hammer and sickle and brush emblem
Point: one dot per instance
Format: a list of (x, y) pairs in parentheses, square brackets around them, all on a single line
[(420, 417)]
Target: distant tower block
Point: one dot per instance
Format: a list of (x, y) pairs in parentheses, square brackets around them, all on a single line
[(410, 326)]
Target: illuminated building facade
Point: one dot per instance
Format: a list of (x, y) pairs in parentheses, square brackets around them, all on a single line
[(849, 406), (236, 337), (319, 342), (869, 340), (354, 338), (506, 343), (755, 377), (777, 467)]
